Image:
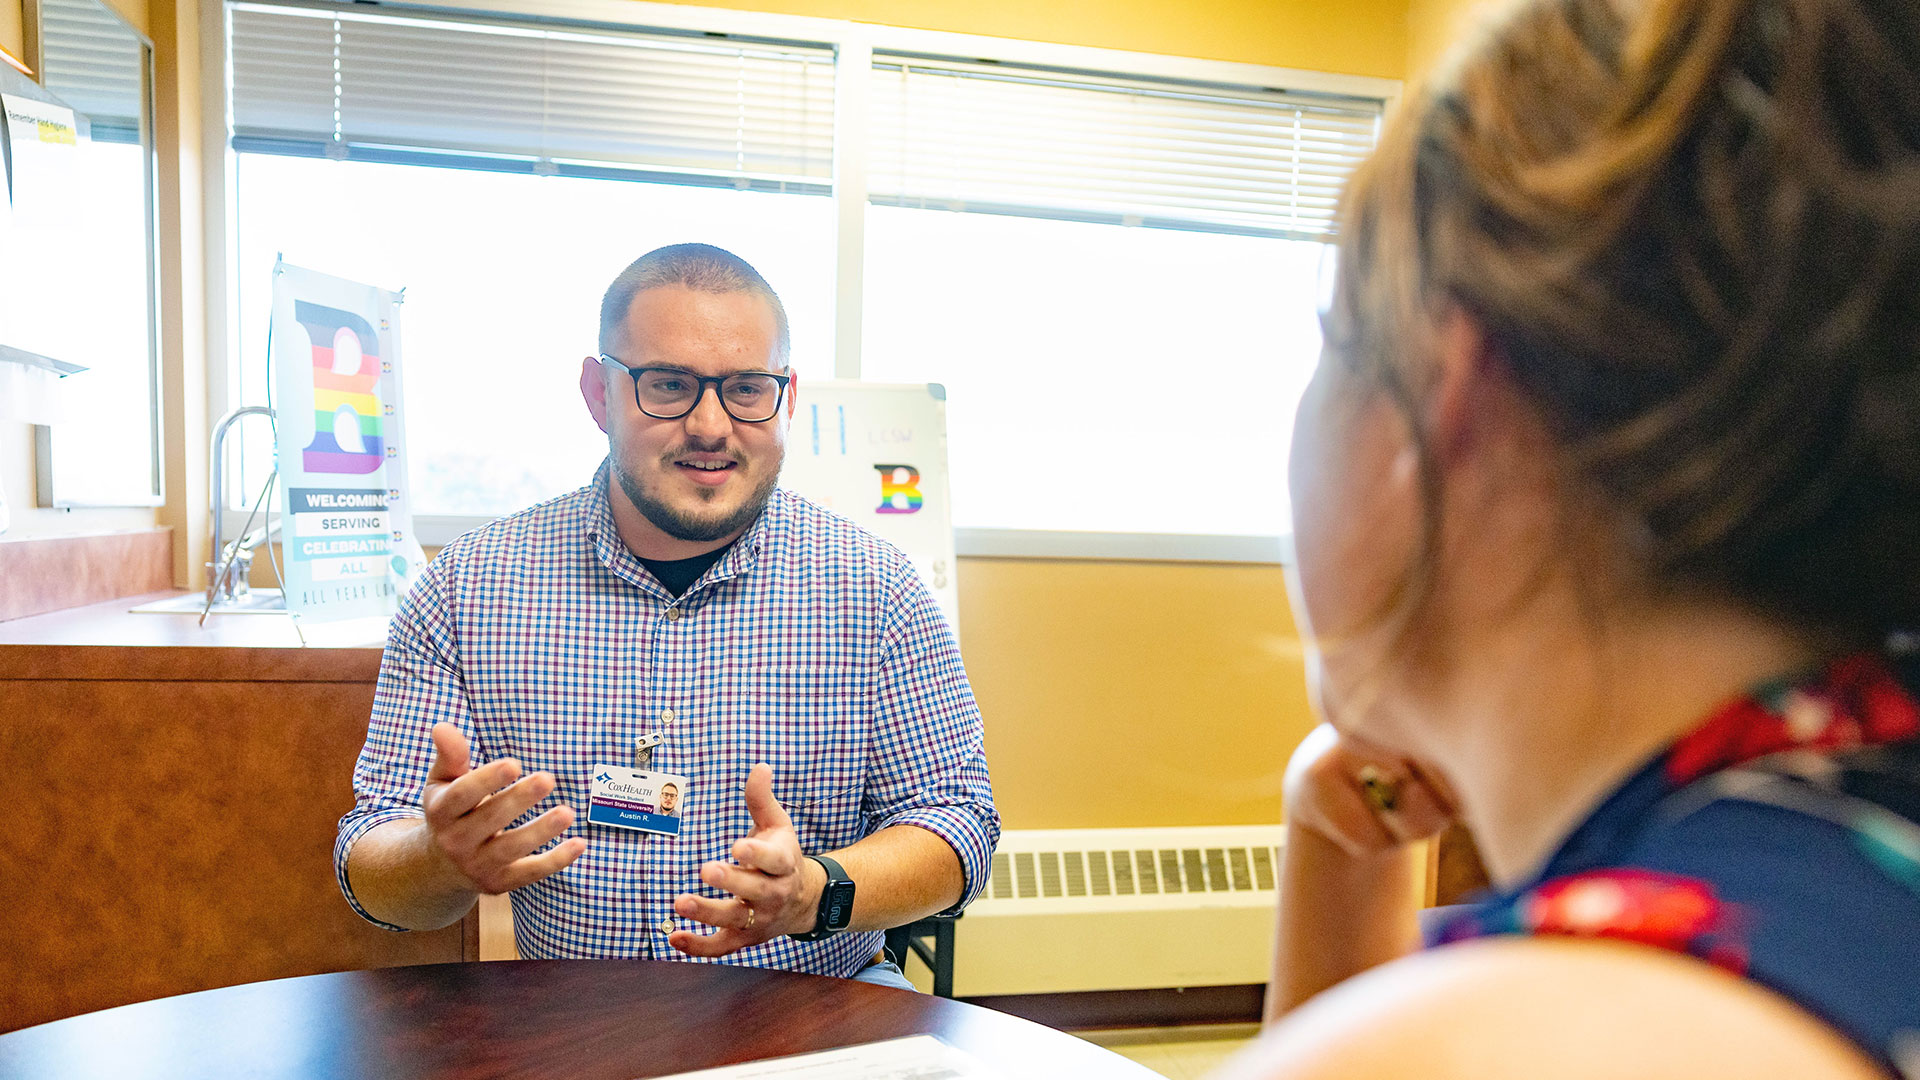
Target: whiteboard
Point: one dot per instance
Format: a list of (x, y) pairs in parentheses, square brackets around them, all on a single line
[(876, 454)]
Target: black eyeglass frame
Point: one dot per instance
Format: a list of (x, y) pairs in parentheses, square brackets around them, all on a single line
[(717, 381)]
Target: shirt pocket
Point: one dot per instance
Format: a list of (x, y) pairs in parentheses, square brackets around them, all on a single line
[(814, 726)]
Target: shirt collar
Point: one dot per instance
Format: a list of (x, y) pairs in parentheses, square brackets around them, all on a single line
[(596, 521), (1857, 700)]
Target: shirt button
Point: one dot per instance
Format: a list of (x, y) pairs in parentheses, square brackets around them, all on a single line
[(666, 926), (673, 614), (666, 716)]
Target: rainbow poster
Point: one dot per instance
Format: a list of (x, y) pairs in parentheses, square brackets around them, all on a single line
[(346, 532)]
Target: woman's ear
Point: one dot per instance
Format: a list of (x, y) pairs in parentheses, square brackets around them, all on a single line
[(1463, 370)]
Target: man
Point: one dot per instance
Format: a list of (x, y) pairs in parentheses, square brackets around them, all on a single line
[(681, 615), (670, 798)]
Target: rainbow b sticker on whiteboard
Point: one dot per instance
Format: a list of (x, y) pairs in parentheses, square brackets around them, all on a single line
[(899, 490), (876, 454), (346, 530)]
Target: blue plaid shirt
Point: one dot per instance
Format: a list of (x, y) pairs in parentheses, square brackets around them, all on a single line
[(811, 644)]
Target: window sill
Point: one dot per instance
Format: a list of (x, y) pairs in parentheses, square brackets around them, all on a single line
[(1030, 544)]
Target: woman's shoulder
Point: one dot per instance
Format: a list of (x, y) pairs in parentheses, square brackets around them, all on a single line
[(1513, 1008), (1799, 872)]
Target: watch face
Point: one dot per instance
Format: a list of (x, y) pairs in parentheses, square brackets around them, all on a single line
[(836, 906)]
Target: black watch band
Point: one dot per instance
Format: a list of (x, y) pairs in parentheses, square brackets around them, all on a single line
[(836, 902)]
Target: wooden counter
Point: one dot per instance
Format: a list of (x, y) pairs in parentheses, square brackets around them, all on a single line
[(177, 793)]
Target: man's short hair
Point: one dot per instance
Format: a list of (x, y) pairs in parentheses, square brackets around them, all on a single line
[(701, 267)]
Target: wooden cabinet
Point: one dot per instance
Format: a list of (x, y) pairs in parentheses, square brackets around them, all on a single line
[(175, 793)]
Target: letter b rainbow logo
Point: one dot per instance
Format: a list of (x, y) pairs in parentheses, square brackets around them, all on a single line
[(347, 429), (899, 489)]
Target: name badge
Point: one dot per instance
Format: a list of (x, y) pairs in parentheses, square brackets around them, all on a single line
[(624, 798)]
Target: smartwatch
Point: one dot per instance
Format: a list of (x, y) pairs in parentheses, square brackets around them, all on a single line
[(836, 902)]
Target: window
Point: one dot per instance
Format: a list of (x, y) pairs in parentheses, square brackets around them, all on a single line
[(1100, 378), (79, 283), (503, 274), (503, 192), (1116, 279), (1184, 155), (1114, 275)]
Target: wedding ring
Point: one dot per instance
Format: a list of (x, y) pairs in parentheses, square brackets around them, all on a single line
[(1382, 792), (749, 925)]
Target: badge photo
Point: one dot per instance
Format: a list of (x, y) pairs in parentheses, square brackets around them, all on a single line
[(624, 798)]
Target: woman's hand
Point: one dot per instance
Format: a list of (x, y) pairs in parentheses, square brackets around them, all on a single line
[(1364, 799)]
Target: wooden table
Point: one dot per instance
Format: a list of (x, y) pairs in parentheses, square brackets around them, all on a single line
[(579, 1019)]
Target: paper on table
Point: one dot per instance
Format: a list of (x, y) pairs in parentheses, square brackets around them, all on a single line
[(916, 1057)]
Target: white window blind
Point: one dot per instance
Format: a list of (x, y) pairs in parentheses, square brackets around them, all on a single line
[(1000, 139), (93, 62), (541, 97)]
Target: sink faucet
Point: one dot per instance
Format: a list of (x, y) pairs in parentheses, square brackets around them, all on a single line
[(224, 588)]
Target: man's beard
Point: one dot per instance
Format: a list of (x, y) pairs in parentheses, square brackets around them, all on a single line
[(683, 526)]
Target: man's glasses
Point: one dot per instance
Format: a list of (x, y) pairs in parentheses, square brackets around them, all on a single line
[(666, 393)]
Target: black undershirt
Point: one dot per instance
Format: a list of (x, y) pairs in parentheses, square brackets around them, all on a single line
[(678, 574)]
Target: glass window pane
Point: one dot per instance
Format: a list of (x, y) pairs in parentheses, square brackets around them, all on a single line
[(84, 301), (1100, 378), (503, 274)]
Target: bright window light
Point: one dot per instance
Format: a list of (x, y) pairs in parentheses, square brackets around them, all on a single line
[(504, 273), (102, 240), (1100, 378)]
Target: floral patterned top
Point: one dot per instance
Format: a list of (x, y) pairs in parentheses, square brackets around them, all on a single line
[(1780, 840)]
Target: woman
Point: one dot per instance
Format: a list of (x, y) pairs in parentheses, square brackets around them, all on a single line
[(1607, 498)]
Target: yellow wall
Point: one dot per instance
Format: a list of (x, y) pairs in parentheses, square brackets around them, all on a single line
[(1355, 37), (1119, 694), (12, 33), (1434, 25)]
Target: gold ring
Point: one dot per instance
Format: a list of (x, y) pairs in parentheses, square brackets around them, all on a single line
[(1382, 792), (749, 925)]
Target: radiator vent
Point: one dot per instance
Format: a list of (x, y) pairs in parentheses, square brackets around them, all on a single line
[(1123, 909), (1062, 870), (1028, 875), (1116, 909)]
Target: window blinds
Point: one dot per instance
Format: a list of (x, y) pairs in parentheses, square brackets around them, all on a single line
[(93, 62), (1000, 139), (543, 98)]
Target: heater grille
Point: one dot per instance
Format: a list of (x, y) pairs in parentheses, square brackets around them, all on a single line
[(1065, 870), (1028, 875), (1115, 909)]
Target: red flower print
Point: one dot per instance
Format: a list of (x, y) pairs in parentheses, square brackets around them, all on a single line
[(1741, 730), (1854, 701), (1666, 911)]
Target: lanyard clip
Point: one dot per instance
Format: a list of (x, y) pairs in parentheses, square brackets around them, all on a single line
[(643, 750)]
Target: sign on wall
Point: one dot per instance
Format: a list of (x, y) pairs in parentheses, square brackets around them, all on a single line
[(876, 453), (345, 524)]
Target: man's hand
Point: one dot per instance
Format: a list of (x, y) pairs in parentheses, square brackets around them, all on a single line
[(467, 809), (775, 887)]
